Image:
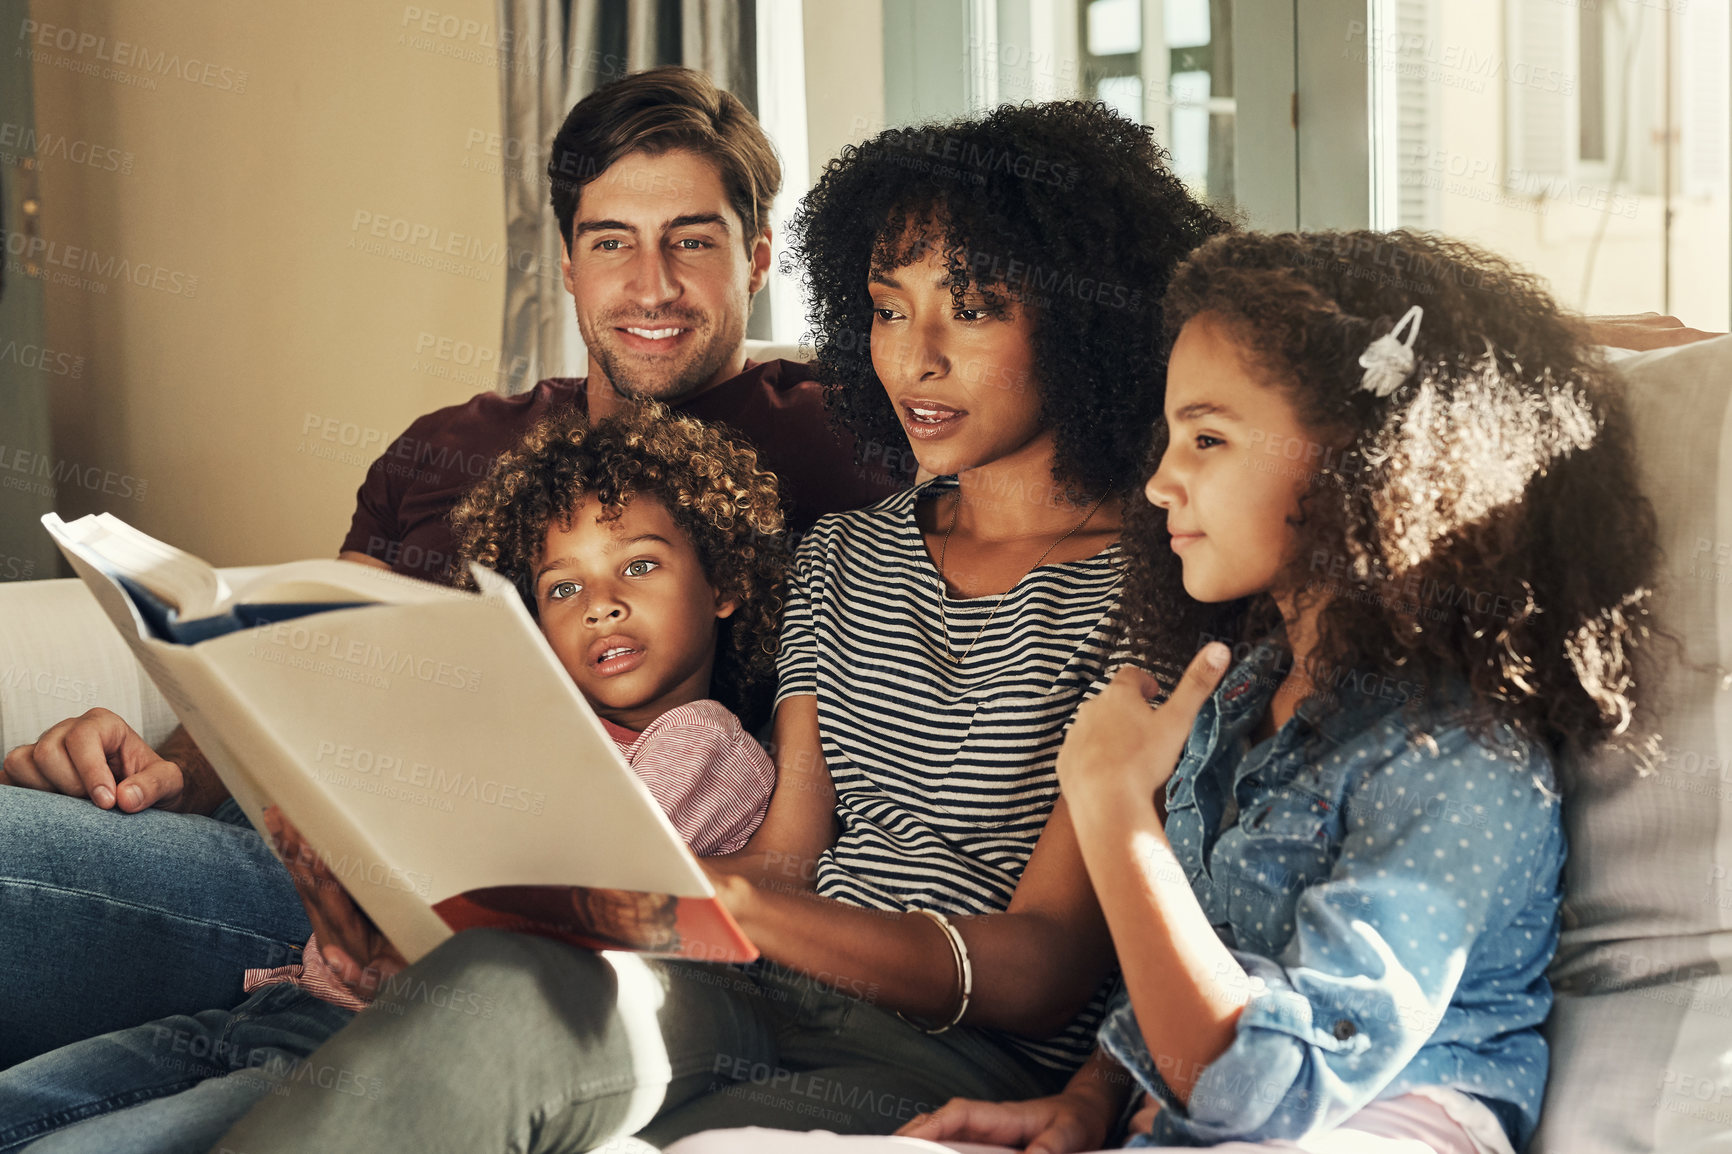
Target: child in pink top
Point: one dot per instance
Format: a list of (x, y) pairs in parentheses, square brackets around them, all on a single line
[(639, 546), (649, 549)]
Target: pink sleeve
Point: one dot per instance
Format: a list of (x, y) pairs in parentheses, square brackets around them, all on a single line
[(711, 779)]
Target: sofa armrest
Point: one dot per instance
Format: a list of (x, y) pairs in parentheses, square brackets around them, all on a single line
[(60, 656)]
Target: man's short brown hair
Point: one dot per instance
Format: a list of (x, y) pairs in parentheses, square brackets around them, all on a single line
[(657, 110)]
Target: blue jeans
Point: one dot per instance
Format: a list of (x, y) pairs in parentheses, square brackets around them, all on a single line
[(171, 1086), (110, 919)]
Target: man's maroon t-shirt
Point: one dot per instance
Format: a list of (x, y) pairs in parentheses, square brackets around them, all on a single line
[(403, 508)]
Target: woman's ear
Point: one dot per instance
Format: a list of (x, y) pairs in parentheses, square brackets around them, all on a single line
[(725, 605)]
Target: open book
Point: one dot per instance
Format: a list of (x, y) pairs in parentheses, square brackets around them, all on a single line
[(425, 740)]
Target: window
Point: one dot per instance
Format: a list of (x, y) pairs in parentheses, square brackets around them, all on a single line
[(1586, 140), (1178, 79), (1164, 63)]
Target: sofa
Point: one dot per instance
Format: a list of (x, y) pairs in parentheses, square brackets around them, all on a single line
[(1642, 1027)]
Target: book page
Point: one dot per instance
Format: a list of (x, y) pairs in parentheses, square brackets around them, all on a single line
[(439, 758), (196, 590), (452, 737), (177, 672), (334, 580), (93, 570), (172, 574)]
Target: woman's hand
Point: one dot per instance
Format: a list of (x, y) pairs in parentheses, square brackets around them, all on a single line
[(1119, 751), (1061, 1124), (1035, 964), (733, 891), (352, 946)]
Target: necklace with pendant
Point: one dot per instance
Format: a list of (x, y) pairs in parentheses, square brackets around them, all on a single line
[(944, 552)]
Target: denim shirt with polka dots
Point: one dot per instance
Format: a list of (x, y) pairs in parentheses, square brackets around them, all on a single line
[(1389, 884)]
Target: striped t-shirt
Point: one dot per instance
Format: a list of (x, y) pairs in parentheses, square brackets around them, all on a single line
[(944, 773)]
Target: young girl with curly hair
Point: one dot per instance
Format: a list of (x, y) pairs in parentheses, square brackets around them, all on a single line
[(648, 548), (1331, 871)]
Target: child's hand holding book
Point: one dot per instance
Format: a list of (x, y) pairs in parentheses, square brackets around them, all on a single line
[(352, 946)]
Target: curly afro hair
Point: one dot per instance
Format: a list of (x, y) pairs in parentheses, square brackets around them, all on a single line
[(1065, 207), (710, 483), (1482, 522)]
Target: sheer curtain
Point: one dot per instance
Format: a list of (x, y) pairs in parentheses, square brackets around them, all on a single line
[(27, 370), (560, 51)]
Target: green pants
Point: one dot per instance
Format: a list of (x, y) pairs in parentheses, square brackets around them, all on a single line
[(500, 1041)]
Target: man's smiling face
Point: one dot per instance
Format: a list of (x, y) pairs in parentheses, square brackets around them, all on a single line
[(662, 274)]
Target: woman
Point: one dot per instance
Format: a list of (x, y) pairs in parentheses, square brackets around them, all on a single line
[(920, 900)]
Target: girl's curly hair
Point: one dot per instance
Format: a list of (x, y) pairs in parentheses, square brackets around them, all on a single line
[(1483, 522), (1065, 207), (709, 482)]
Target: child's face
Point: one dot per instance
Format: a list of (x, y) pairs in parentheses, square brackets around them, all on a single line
[(629, 610), (1238, 458)]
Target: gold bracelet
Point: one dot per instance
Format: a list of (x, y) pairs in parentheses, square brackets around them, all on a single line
[(964, 973)]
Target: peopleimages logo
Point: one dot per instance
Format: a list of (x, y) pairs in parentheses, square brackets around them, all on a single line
[(942, 147), (42, 359), (99, 50), (34, 471), (56, 146), (78, 260), (440, 249), (355, 659), (399, 777), (58, 686)]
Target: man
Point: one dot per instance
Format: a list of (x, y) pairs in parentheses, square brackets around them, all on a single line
[(662, 185)]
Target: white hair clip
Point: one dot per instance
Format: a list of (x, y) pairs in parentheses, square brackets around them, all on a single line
[(1388, 359)]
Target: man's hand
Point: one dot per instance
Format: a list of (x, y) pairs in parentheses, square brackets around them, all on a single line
[(351, 944), (1060, 1124), (1642, 331), (96, 755)]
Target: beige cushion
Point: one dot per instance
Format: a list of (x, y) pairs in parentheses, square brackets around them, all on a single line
[(59, 656), (771, 351), (1642, 1029)]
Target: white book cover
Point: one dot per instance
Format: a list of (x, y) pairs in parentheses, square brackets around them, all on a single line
[(425, 740)]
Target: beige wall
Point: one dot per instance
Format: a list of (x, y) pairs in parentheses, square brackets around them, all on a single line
[(251, 146)]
